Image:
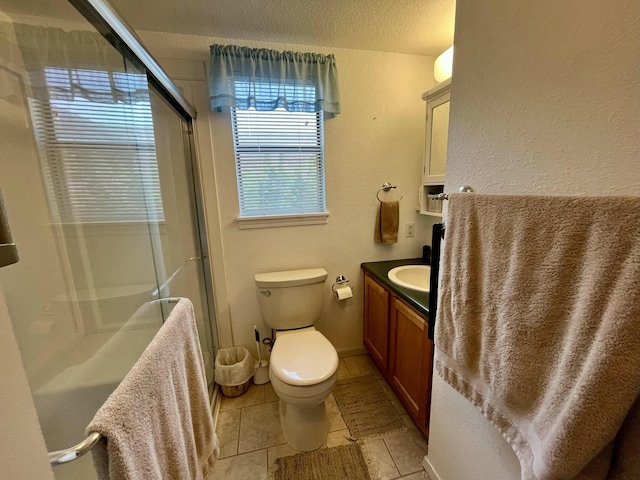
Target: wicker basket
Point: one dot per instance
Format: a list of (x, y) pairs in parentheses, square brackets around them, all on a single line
[(236, 390), (234, 368)]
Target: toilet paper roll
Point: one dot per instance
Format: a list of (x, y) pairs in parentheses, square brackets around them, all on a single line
[(344, 292)]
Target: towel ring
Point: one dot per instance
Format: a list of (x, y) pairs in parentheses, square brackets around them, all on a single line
[(386, 186)]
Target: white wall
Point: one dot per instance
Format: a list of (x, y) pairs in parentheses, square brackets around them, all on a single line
[(544, 100), (379, 137)]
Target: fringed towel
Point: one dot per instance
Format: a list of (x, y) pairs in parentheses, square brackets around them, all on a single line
[(538, 325), (157, 424), (387, 221)]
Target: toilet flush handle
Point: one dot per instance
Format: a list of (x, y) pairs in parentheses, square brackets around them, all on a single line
[(266, 293)]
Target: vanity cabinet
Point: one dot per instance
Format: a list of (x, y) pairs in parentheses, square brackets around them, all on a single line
[(376, 324), (396, 336), (410, 359)]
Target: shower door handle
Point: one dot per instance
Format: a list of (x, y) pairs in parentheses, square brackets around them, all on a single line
[(8, 250)]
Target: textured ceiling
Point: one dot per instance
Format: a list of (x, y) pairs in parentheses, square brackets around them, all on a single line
[(422, 27)]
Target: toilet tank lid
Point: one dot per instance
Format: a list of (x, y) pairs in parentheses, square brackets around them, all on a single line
[(291, 278)]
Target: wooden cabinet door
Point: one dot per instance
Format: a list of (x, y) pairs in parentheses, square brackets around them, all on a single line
[(410, 362), (376, 322)]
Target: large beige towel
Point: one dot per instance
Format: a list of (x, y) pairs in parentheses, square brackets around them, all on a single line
[(539, 326), (157, 424), (387, 221)]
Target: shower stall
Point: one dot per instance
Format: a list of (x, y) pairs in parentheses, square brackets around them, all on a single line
[(102, 208)]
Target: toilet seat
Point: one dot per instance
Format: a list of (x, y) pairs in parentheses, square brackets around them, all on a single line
[(305, 395), (303, 357)]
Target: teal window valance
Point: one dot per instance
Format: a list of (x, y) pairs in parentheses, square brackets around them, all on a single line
[(263, 79)]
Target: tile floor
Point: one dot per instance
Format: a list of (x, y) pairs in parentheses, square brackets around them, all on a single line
[(251, 438)]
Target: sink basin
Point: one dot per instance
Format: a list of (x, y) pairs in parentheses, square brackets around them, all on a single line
[(414, 277)]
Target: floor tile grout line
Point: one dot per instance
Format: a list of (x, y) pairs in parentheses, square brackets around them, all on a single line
[(391, 455), (394, 460), (261, 448), (239, 430)]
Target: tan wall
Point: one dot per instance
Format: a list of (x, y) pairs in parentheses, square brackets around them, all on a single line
[(545, 100)]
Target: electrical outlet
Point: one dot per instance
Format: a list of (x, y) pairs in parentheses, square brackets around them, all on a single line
[(409, 229)]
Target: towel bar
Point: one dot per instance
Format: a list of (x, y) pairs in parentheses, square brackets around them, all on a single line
[(60, 457), (158, 291), (462, 189), (166, 299)]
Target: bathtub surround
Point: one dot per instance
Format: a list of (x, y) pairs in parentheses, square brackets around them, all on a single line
[(163, 400)]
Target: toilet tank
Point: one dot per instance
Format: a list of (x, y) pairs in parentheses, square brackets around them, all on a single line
[(291, 299)]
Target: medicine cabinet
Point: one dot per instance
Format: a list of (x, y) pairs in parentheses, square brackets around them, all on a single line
[(435, 151), (437, 134)]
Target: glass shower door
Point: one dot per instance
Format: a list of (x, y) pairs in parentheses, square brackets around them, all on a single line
[(177, 247), (74, 174), (97, 178)]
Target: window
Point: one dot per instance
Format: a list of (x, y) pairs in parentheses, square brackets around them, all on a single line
[(98, 148), (279, 162), (276, 100)]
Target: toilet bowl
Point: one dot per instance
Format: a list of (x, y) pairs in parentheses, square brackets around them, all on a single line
[(303, 371), (303, 363)]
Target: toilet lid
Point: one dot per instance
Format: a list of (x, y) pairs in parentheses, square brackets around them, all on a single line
[(303, 358)]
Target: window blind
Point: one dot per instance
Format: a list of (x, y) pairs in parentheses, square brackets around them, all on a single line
[(99, 157), (279, 162)]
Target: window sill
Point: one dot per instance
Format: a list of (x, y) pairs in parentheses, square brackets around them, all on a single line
[(269, 221)]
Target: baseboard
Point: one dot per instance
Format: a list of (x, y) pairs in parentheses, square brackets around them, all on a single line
[(431, 472), (351, 352)]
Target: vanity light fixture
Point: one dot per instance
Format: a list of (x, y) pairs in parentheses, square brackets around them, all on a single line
[(443, 65)]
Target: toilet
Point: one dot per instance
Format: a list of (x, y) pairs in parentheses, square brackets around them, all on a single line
[(303, 363)]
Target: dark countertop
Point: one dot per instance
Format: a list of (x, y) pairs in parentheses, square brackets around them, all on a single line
[(379, 271)]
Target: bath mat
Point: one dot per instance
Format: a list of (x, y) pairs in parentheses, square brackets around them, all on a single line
[(365, 408), (345, 462)]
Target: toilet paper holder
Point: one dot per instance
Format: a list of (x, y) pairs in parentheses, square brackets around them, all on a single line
[(340, 280), (341, 289)]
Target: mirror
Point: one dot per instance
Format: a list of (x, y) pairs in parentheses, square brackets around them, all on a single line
[(439, 138), (437, 133)]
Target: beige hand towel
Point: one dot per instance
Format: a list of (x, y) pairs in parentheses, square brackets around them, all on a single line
[(157, 424), (539, 326), (387, 222)]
